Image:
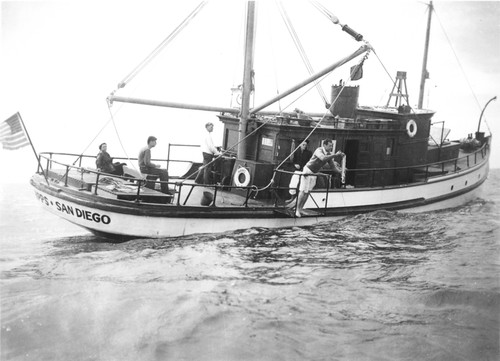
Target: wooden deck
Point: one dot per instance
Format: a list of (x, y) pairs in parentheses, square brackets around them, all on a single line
[(188, 194)]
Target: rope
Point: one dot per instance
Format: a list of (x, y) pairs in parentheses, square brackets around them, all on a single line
[(317, 125), (300, 48), (250, 134), (88, 145), (112, 118), (160, 47), (460, 66), (325, 12), (267, 121), (383, 66), (227, 150)]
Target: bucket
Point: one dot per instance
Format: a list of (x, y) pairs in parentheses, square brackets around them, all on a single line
[(207, 199)]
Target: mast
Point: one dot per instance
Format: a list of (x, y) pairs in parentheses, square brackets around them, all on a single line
[(425, 74), (247, 78)]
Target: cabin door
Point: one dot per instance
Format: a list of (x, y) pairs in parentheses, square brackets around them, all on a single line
[(283, 150), (351, 151)]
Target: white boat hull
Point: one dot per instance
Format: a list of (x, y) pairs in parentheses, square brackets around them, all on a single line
[(439, 193)]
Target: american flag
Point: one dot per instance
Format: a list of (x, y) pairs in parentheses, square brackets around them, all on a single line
[(12, 134)]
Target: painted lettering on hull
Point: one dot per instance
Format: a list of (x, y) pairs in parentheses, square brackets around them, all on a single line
[(73, 211)]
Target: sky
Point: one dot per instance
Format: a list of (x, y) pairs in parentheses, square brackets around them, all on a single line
[(59, 60)]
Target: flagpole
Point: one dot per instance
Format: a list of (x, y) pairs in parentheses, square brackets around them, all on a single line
[(33, 147)]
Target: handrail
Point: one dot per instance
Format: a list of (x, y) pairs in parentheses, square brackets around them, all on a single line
[(482, 151), (440, 163), (469, 160), (170, 145), (139, 181)]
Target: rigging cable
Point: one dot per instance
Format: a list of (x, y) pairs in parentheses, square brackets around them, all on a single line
[(461, 67), (80, 156), (275, 72), (385, 69), (160, 47), (252, 133), (300, 48), (119, 138), (319, 122)]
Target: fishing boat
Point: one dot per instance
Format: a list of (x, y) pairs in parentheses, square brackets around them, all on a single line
[(393, 158)]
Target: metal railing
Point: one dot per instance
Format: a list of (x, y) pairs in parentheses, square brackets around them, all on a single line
[(138, 182), (401, 175)]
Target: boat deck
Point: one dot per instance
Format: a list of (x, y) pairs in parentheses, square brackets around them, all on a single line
[(189, 194)]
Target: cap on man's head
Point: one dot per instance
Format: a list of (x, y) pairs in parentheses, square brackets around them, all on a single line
[(151, 138)]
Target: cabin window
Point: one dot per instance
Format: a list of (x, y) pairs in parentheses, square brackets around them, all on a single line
[(266, 149), (268, 142), (390, 147)]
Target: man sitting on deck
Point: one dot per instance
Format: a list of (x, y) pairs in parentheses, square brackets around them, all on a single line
[(105, 164), (321, 156), (148, 168)]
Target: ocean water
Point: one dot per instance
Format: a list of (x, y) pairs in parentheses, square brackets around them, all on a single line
[(381, 286)]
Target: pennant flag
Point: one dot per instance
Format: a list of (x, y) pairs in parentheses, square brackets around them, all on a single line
[(357, 72), (12, 134)]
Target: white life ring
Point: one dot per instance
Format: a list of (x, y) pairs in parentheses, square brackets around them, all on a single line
[(411, 128), (241, 177)]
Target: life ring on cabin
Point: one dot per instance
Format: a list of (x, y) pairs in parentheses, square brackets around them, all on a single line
[(411, 128), (241, 177)]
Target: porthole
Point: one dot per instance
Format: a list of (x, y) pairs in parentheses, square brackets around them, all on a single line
[(451, 187), (465, 182)]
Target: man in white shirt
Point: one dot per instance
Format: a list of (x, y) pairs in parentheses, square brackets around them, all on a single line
[(209, 151)]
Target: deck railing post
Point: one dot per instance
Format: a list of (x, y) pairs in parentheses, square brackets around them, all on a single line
[(39, 166), (215, 195), (179, 194), (247, 197), (168, 156), (97, 182), (426, 172), (327, 191), (276, 189), (468, 161), (297, 190), (456, 165), (66, 177), (138, 195), (189, 194)]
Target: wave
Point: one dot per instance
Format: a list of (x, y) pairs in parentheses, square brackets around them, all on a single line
[(484, 300)]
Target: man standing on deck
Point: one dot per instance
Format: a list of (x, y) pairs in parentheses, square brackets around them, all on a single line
[(300, 159), (209, 151), (321, 156), (149, 168)]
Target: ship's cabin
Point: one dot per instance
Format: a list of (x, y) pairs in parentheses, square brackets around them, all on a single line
[(371, 138)]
